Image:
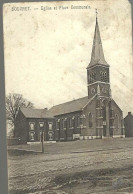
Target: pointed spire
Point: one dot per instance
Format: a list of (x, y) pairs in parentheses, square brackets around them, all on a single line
[(97, 56), (98, 90), (96, 14)]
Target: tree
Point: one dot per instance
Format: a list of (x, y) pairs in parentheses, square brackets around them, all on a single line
[(13, 103)]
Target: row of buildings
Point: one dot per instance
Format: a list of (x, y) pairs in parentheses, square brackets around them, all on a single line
[(96, 115)]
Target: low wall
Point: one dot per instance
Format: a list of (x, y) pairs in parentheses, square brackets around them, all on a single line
[(18, 152), (13, 141)]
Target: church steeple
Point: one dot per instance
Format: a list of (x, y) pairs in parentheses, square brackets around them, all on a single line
[(98, 69), (97, 56)]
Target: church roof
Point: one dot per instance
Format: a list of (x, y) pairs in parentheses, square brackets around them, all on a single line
[(97, 55), (64, 108), (35, 113), (68, 107)]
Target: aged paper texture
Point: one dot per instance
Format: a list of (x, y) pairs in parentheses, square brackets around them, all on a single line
[(69, 89)]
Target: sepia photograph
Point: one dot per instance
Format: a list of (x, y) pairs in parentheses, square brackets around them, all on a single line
[(69, 96)]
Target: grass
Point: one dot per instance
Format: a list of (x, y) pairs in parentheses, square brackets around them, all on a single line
[(77, 146)]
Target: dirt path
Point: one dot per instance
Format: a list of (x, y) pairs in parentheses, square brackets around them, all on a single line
[(71, 173)]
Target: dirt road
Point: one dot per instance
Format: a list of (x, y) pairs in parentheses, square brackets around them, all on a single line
[(76, 172)]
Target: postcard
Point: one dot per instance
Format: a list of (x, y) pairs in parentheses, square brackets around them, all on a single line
[(69, 96)]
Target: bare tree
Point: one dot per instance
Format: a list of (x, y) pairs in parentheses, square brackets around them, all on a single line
[(13, 103)]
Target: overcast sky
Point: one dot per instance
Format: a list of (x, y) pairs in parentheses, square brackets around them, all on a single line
[(47, 52)]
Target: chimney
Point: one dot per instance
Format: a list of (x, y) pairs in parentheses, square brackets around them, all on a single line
[(129, 113), (45, 109)]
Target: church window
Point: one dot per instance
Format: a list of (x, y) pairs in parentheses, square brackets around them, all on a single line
[(104, 102), (98, 104), (104, 113), (57, 125), (61, 123), (65, 123), (78, 121), (117, 121), (70, 122), (105, 76), (82, 118), (111, 113), (90, 120), (101, 76), (73, 121), (92, 77)]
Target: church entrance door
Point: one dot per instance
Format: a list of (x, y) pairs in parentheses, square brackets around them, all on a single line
[(111, 132), (104, 130), (58, 135)]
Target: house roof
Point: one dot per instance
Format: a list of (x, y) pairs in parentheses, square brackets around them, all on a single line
[(35, 113), (129, 115), (71, 106)]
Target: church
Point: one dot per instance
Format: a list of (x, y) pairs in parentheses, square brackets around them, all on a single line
[(96, 115)]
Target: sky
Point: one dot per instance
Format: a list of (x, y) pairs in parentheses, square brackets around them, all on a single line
[(47, 51)]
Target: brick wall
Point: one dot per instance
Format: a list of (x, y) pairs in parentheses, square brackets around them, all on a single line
[(128, 122), (67, 125), (20, 128)]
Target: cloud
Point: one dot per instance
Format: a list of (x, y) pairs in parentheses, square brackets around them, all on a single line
[(47, 52)]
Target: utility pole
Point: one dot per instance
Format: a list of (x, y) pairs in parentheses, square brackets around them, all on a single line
[(42, 134)]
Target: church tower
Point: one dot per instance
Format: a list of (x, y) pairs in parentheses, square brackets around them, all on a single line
[(98, 69)]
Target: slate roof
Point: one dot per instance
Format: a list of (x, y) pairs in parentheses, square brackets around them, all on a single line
[(68, 107), (64, 108), (97, 56), (35, 113)]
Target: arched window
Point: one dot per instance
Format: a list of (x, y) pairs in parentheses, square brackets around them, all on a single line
[(101, 76), (73, 121), (57, 127), (82, 120), (117, 121), (78, 121), (90, 120), (104, 110), (93, 77), (65, 123), (61, 123), (98, 103), (70, 122), (111, 113), (58, 124), (105, 76)]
